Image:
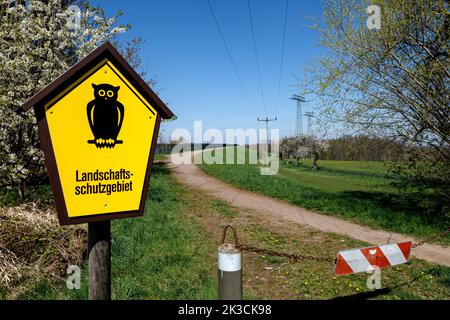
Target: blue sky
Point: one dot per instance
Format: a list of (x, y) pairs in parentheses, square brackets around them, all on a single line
[(185, 53)]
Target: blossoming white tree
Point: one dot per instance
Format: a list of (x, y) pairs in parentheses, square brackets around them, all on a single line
[(38, 41), (300, 146)]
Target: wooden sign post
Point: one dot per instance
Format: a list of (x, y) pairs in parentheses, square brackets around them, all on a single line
[(98, 125), (99, 260)]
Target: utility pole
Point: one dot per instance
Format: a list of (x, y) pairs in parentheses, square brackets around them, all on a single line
[(267, 120), (299, 122), (309, 115)]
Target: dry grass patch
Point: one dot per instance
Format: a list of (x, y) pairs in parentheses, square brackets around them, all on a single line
[(33, 246)]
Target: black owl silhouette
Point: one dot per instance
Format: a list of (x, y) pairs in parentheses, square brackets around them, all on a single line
[(105, 115)]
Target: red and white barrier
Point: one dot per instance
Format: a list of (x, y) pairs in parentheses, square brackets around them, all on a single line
[(365, 259)]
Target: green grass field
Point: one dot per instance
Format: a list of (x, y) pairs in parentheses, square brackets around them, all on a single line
[(354, 190), (171, 253), (159, 256)]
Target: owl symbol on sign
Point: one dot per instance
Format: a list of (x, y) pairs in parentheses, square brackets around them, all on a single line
[(105, 115)]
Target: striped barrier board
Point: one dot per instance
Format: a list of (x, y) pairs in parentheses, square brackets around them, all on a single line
[(365, 259)]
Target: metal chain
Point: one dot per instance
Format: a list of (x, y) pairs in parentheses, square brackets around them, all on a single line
[(291, 256), (432, 238)]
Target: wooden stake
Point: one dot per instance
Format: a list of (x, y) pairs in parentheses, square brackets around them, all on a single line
[(99, 248)]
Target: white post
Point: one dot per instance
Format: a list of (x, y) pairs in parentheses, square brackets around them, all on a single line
[(229, 272)]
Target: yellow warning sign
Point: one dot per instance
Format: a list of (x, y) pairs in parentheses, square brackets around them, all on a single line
[(101, 130), (98, 125)]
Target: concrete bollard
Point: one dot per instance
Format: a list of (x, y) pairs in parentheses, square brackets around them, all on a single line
[(229, 270)]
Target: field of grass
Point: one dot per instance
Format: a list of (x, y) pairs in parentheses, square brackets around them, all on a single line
[(357, 191), (171, 253), (161, 156), (159, 256)]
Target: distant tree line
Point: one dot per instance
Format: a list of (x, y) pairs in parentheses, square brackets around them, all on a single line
[(363, 148), (347, 147)]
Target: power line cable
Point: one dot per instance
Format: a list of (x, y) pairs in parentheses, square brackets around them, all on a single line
[(282, 55), (256, 54), (224, 115), (229, 53)]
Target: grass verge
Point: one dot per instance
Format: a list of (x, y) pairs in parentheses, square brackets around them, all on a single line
[(357, 191)]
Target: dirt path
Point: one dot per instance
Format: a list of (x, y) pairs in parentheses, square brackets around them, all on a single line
[(192, 176)]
